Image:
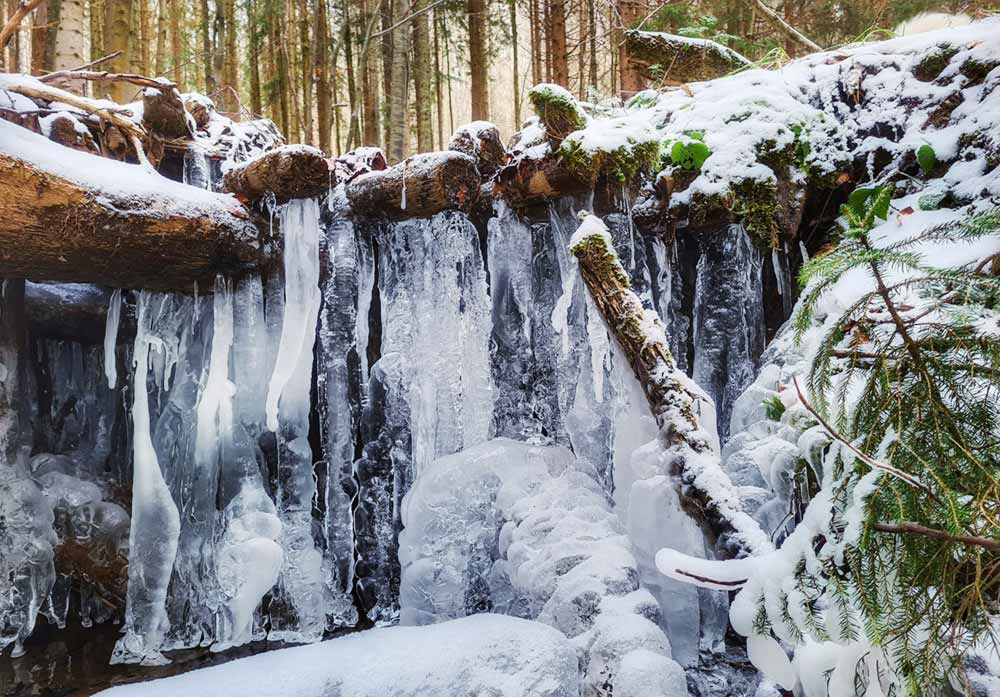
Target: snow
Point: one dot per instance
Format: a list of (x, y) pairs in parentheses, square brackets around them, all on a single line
[(484, 654), (119, 183)]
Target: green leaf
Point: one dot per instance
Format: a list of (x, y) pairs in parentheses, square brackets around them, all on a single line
[(677, 152), (880, 202), (856, 200), (695, 135), (926, 158), (699, 152)]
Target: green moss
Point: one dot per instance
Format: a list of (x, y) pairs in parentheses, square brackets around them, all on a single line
[(558, 110), (622, 164), (931, 65), (753, 202), (976, 70), (604, 261)]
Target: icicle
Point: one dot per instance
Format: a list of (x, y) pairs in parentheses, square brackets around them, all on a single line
[(300, 224), (600, 347), (805, 252), (155, 523), (111, 337), (779, 276)]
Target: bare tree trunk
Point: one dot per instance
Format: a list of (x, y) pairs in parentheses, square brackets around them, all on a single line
[(117, 37), (230, 72), (423, 97), (629, 12), (160, 64), (517, 71), (96, 29), (479, 64), (547, 39), (306, 71), (43, 22), (447, 63), (281, 65), (557, 28), (253, 43), (592, 23), (322, 70), (438, 92), (145, 38), (69, 46), (369, 88), (536, 43), (206, 47), (176, 38), (398, 111), (581, 49), (352, 92)]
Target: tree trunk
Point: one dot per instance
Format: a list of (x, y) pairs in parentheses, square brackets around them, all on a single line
[(398, 111), (369, 89), (557, 28), (305, 72), (43, 24), (517, 71), (96, 29), (14, 419), (536, 43), (253, 44), (118, 37), (629, 13), (530, 181), (208, 54), (419, 187), (232, 57), (592, 23), (160, 64), (54, 228), (176, 40), (423, 96), (70, 42), (438, 91), (322, 71), (581, 50), (142, 55), (479, 63)]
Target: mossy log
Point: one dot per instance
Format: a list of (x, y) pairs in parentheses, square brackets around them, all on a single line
[(677, 403), (417, 187), (528, 180), (667, 59), (53, 228), (290, 171), (481, 141)]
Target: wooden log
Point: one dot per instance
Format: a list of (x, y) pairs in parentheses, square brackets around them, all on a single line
[(417, 187), (677, 403), (480, 140), (290, 171), (357, 162), (72, 312), (163, 112), (201, 109), (530, 180), (69, 216), (66, 129), (667, 59)]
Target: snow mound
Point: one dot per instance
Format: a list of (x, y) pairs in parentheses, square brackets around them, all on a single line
[(481, 655)]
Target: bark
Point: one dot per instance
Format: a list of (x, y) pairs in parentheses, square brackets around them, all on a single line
[(423, 96), (42, 35), (305, 71), (143, 65), (369, 89), (118, 37), (70, 43), (398, 111), (163, 113), (419, 187), (13, 388), (529, 181), (207, 54), (512, 6), (536, 47), (52, 228), (673, 399), (629, 13), (176, 45), (354, 129), (253, 43), (438, 92), (678, 59), (483, 145), (162, 26), (557, 30), (322, 72), (288, 172), (479, 63), (232, 57), (592, 36)]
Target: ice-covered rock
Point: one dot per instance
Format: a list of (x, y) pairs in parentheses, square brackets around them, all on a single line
[(481, 655)]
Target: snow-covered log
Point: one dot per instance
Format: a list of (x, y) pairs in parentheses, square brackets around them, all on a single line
[(163, 112), (666, 58), (531, 180), (70, 216), (290, 171), (417, 187), (481, 141)]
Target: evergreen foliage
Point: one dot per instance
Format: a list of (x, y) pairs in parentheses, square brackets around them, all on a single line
[(909, 375)]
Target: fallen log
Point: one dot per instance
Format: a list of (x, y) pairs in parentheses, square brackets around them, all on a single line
[(72, 312), (531, 180), (481, 141), (668, 59), (678, 405), (74, 217), (290, 171), (417, 187), (163, 112)]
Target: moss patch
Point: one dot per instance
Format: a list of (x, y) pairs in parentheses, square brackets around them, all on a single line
[(558, 111), (932, 64), (753, 202), (622, 164), (976, 71)]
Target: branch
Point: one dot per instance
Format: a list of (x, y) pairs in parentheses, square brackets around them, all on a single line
[(915, 529), (781, 24), (103, 76), (15, 20), (408, 18), (87, 66)]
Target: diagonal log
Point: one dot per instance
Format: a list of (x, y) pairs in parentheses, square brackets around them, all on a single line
[(71, 216), (676, 402)]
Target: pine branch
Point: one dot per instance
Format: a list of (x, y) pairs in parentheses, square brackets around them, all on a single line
[(915, 529)]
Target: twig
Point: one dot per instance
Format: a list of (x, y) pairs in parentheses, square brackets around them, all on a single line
[(87, 66), (408, 18), (867, 459), (100, 76), (23, 8), (784, 26), (915, 529)]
